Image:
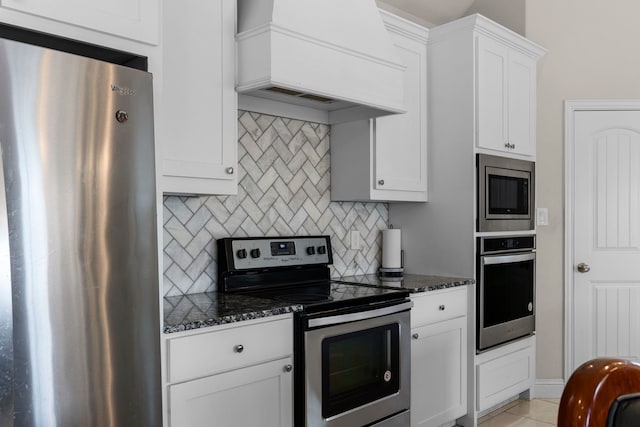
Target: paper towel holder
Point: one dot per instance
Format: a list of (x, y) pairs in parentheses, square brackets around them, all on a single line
[(393, 272)]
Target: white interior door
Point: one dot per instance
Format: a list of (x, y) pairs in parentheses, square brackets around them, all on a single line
[(605, 265)]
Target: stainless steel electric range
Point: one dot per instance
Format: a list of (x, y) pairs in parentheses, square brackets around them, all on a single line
[(351, 342)]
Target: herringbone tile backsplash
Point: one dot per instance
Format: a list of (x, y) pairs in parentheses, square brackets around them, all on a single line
[(284, 189)]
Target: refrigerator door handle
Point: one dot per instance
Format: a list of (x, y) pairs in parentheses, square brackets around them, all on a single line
[(6, 314)]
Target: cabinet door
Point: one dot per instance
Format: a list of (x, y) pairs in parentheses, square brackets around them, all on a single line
[(492, 107), (522, 103), (133, 19), (198, 105), (400, 162), (506, 104), (438, 372), (259, 395)]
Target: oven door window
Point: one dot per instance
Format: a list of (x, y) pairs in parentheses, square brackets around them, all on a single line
[(359, 367), (508, 291), (507, 192)]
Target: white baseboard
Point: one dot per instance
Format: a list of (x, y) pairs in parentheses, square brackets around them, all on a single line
[(550, 389)]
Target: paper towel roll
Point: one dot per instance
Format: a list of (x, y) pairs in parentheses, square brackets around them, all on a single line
[(391, 247)]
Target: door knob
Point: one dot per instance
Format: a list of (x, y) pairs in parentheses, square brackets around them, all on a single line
[(583, 268)]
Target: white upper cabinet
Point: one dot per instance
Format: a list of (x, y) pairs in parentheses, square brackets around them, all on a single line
[(482, 79), (385, 159), (133, 19), (506, 98), (198, 105)]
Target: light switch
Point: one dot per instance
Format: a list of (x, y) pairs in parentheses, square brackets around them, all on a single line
[(542, 216)]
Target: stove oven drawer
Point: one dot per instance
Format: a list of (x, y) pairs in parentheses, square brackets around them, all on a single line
[(438, 306), (223, 348)]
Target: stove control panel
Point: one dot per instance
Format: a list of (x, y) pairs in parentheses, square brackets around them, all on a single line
[(252, 253)]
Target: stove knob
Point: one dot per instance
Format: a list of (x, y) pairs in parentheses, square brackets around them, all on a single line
[(322, 250), (311, 250), (242, 253), (255, 253)]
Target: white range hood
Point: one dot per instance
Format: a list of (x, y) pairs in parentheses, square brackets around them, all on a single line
[(332, 55)]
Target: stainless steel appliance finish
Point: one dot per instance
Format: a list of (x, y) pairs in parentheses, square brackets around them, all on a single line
[(506, 289), (79, 310), (340, 325), (506, 194), (351, 343)]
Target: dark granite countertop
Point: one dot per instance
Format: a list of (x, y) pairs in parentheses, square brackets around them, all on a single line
[(410, 282), (186, 312)]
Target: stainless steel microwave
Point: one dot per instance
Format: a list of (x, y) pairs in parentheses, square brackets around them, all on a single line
[(506, 194)]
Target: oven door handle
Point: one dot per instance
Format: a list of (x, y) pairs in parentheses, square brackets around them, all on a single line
[(361, 315), (504, 259)]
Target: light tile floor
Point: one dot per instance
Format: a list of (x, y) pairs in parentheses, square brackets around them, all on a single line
[(523, 413)]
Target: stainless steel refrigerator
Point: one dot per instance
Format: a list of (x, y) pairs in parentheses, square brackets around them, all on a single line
[(79, 305)]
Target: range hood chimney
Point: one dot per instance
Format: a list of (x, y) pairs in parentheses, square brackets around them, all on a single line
[(332, 55)]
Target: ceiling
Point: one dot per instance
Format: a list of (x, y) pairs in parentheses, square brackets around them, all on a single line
[(434, 11)]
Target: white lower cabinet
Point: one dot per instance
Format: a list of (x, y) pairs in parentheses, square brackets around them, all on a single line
[(505, 372), (439, 357), (232, 375), (259, 395)]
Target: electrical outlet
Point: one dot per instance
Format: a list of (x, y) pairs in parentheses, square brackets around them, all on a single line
[(542, 216), (355, 243)]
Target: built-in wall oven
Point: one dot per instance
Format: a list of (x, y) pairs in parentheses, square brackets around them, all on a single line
[(506, 194), (506, 289), (352, 349)]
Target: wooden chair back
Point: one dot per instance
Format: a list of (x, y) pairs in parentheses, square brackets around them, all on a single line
[(593, 388)]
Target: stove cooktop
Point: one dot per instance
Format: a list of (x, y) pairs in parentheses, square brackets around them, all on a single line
[(329, 295), (292, 269)]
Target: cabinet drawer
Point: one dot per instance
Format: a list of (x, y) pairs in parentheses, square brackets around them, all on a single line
[(437, 306), (208, 353), (504, 377)]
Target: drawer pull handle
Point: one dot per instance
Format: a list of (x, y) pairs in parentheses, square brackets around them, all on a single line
[(415, 336), (288, 368), (239, 348), (441, 308)]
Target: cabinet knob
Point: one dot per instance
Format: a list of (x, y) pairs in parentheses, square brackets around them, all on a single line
[(288, 368), (381, 182), (507, 145), (415, 336), (229, 170), (441, 308), (239, 348)]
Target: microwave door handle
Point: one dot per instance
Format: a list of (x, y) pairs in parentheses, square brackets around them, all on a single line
[(504, 259)]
